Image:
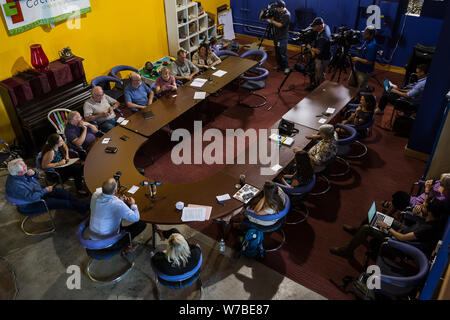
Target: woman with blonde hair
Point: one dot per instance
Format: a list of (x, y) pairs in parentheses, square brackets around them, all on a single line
[(180, 256)]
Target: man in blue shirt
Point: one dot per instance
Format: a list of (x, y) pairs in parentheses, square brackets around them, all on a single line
[(22, 184), (412, 93), (365, 63), (321, 51), (107, 212), (138, 95)]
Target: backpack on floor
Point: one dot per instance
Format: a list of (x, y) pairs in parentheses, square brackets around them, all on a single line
[(252, 245)]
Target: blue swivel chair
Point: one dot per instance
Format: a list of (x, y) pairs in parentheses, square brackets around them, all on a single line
[(225, 53), (259, 53), (177, 282), (345, 145), (98, 250), (297, 195), (279, 217), (30, 215), (123, 82), (362, 131), (254, 83), (394, 283)]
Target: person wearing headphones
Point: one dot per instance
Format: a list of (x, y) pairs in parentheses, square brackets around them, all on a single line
[(364, 64)]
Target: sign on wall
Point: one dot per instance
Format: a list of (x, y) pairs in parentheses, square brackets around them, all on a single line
[(23, 15)]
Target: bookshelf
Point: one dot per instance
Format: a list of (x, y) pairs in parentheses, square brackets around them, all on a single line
[(185, 27)]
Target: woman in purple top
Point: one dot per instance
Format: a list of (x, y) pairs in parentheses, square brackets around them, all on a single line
[(166, 82), (439, 189)]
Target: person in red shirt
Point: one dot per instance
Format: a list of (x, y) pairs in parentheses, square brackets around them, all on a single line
[(166, 82)]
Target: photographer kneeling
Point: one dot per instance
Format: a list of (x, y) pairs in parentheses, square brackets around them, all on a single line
[(365, 63), (321, 51), (280, 21)]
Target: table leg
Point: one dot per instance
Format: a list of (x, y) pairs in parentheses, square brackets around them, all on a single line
[(154, 236)]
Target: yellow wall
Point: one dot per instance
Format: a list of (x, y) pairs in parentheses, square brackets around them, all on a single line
[(114, 32)]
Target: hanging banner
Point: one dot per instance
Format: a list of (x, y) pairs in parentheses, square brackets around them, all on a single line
[(23, 15)]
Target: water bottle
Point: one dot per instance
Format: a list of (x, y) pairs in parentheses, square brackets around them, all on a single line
[(222, 246)]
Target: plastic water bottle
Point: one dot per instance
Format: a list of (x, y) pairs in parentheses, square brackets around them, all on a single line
[(222, 246)]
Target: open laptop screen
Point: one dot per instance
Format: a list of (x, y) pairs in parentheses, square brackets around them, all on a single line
[(386, 85), (372, 212)]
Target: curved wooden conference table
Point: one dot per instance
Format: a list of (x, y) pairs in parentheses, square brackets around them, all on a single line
[(100, 166)]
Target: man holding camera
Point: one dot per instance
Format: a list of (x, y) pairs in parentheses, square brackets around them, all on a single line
[(280, 22), (321, 51), (365, 63)]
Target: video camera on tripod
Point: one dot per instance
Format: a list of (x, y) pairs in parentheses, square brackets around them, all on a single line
[(305, 61), (305, 36), (270, 11), (344, 39)]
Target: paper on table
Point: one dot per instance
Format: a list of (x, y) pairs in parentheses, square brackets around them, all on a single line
[(133, 189), (330, 110), (98, 190), (223, 197), (207, 208), (219, 73), (124, 122), (197, 84), (120, 119), (322, 120), (193, 214), (69, 163), (276, 167), (200, 95), (106, 140)]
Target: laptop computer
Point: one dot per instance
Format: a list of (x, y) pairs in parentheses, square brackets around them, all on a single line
[(387, 85), (375, 216)]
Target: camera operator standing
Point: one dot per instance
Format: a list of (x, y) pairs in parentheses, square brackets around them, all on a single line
[(321, 50), (364, 64), (280, 22)]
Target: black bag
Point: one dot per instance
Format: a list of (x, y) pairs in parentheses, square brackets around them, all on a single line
[(287, 128), (360, 290)]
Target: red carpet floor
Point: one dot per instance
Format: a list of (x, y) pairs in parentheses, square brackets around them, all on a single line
[(305, 257)]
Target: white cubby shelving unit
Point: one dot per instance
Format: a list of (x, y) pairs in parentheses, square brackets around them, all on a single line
[(185, 28)]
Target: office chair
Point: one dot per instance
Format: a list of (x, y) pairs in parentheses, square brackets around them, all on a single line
[(176, 282), (253, 84), (297, 195), (395, 282), (259, 53), (29, 215), (279, 217), (100, 250)]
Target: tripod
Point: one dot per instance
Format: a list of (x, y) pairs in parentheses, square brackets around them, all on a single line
[(340, 62), (268, 32), (308, 69)]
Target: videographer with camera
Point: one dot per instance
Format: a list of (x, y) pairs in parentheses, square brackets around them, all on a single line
[(321, 50), (279, 17), (365, 63)]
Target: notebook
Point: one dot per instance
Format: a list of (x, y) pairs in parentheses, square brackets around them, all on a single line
[(375, 216), (246, 193)]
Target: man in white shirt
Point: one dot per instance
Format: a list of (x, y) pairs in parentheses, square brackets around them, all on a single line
[(100, 108), (107, 212)]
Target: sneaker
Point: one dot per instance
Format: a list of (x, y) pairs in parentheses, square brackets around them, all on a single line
[(378, 111), (341, 252), (286, 71), (349, 229)]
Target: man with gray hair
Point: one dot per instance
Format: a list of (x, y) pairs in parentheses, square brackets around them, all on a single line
[(107, 212), (22, 184), (325, 149), (100, 108), (80, 134), (138, 95)]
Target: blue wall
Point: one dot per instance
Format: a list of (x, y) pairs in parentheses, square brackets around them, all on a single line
[(424, 29)]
